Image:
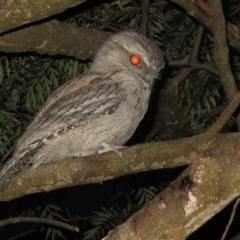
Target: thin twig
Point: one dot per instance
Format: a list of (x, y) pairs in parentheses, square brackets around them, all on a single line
[(206, 67), (183, 73), (216, 111), (22, 234), (191, 103), (145, 7), (196, 44), (195, 65), (39, 220), (179, 64), (231, 219), (234, 9)]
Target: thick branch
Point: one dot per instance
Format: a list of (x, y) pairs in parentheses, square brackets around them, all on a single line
[(98, 168), (54, 38), (201, 191), (185, 206), (17, 13)]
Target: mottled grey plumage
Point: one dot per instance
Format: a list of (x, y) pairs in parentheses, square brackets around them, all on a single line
[(94, 112)]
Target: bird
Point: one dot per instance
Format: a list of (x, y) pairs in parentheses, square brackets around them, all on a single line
[(95, 112)]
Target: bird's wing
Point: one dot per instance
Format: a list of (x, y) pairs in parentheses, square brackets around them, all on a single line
[(72, 105), (76, 102)]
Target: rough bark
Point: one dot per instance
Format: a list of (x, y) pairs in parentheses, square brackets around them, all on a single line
[(202, 190), (17, 13), (54, 38)]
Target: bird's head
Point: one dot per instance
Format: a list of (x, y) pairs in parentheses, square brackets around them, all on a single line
[(131, 55)]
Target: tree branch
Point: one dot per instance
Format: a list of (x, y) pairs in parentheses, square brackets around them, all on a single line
[(221, 52), (38, 220), (183, 73), (231, 219), (98, 168), (23, 234), (201, 11), (191, 200), (145, 6), (214, 111), (14, 14), (171, 119), (54, 38), (223, 118)]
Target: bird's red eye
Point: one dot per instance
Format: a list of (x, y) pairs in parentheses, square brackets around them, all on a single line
[(134, 60)]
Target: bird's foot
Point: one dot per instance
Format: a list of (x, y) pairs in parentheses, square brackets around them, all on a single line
[(108, 147)]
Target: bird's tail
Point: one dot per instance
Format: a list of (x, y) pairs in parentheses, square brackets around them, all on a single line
[(18, 163)]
